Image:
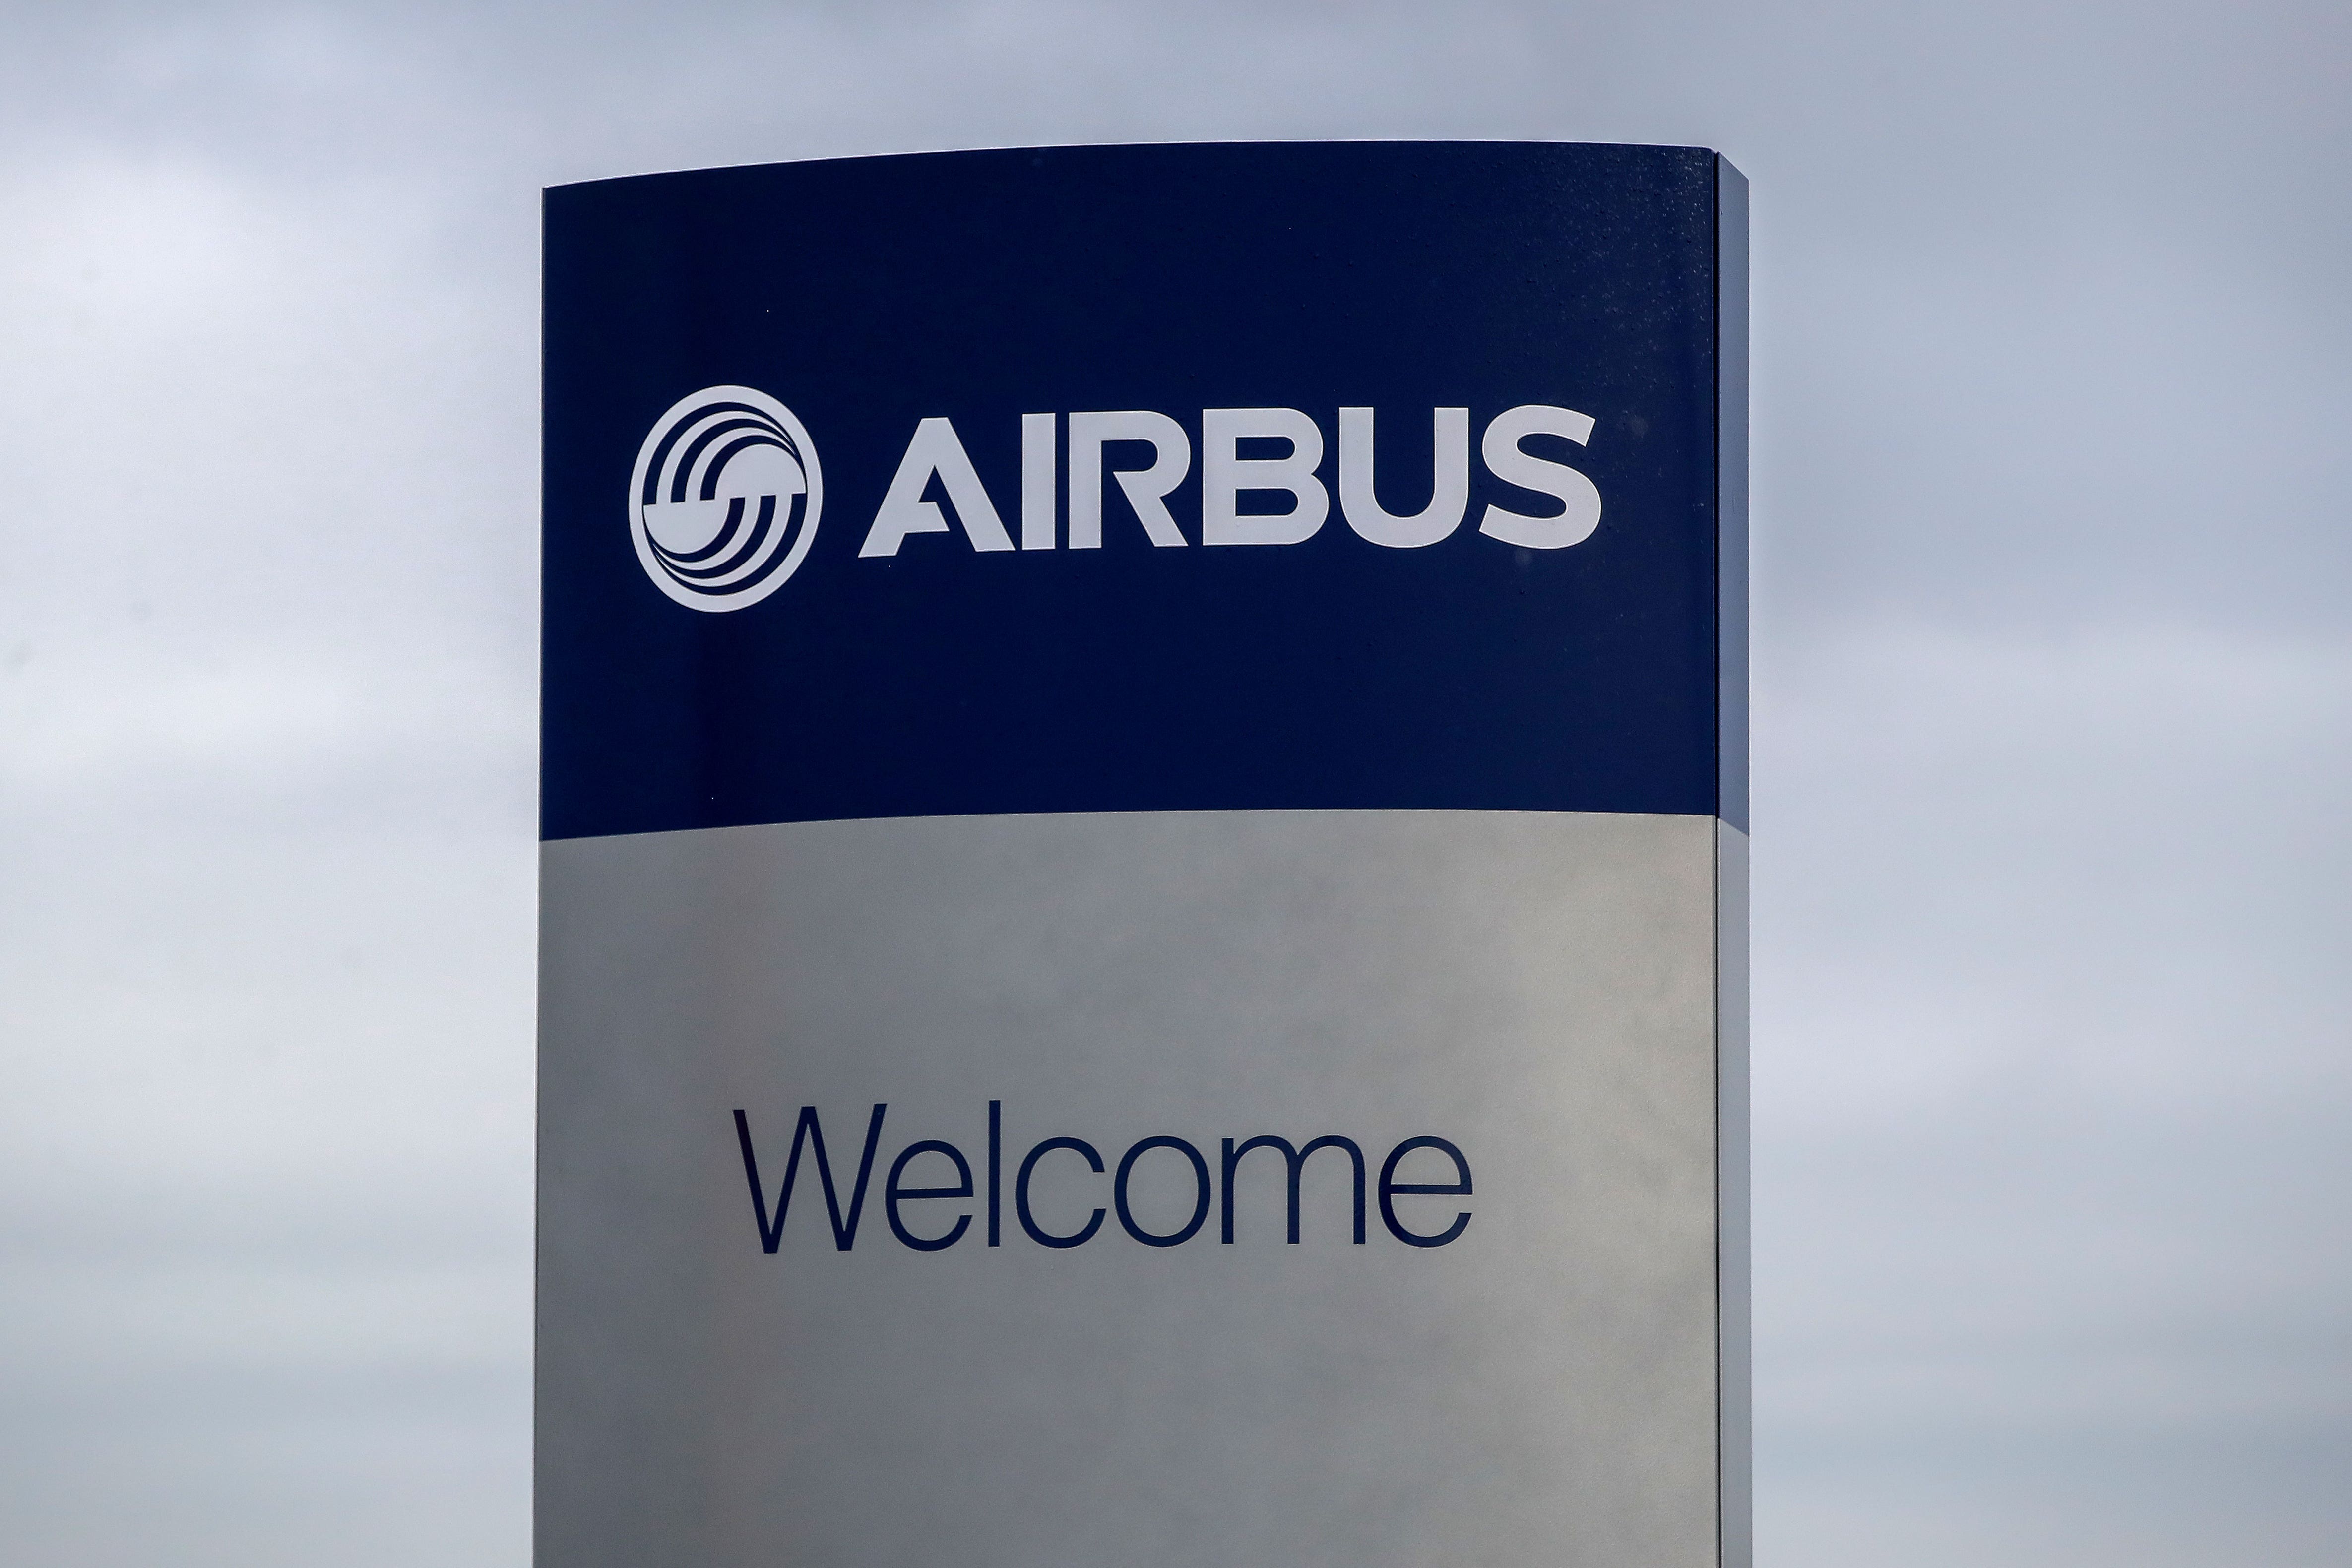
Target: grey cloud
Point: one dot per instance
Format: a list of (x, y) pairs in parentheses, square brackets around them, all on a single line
[(2054, 695)]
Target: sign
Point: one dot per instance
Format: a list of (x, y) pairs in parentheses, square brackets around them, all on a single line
[(1144, 882)]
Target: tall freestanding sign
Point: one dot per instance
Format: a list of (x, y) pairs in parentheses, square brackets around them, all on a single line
[(1144, 923)]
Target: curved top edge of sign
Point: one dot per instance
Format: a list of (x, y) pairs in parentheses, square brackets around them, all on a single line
[(1094, 147)]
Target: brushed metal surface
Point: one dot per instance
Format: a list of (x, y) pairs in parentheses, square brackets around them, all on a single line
[(1541, 989)]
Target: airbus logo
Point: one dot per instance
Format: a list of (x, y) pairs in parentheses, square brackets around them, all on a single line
[(725, 496), (724, 500), (936, 452)]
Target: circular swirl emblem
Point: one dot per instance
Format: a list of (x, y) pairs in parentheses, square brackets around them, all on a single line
[(725, 497)]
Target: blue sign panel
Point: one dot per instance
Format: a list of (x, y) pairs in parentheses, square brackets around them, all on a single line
[(1146, 478)]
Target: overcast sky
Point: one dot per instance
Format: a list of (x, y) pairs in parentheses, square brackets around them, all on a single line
[(2053, 447)]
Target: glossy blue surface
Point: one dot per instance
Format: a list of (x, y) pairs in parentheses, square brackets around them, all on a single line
[(869, 294)]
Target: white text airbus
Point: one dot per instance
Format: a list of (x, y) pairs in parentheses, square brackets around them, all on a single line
[(1057, 449)]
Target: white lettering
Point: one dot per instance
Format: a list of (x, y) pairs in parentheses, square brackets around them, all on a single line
[(1036, 481), (1449, 485), (1147, 489), (935, 449), (1579, 501), (1224, 475)]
